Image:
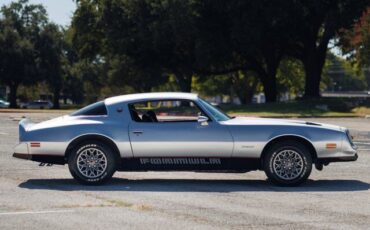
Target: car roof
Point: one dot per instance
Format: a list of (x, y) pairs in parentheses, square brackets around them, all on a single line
[(150, 96)]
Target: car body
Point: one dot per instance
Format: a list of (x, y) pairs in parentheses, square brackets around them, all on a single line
[(184, 133), (39, 104), (4, 104)]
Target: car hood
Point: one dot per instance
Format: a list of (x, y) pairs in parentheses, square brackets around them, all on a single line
[(270, 121)]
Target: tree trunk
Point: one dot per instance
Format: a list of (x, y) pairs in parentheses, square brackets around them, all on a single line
[(267, 75), (268, 79), (13, 95), (313, 65), (250, 92), (313, 78), (246, 92), (56, 97), (184, 81), (246, 97), (313, 59), (269, 88)]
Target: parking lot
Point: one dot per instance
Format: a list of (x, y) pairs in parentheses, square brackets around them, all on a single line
[(36, 197)]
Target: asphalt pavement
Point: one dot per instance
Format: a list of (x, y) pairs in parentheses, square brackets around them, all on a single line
[(33, 197)]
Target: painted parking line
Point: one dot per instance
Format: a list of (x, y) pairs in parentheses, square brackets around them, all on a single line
[(361, 143), (34, 212)]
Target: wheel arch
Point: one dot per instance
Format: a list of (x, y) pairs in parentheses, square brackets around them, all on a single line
[(92, 137), (290, 137)]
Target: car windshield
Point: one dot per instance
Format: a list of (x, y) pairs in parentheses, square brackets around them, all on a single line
[(215, 112)]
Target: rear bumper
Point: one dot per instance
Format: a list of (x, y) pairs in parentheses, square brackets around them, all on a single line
[(337, 159), (60, 160), (24, 156)]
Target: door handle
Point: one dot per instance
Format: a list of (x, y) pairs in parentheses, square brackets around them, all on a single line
[(137, 132)]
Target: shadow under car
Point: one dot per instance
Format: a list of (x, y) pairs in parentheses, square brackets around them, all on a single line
[(194, 185)]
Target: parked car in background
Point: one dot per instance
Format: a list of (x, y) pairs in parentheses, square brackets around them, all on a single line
[(39, 104), (4, 104)]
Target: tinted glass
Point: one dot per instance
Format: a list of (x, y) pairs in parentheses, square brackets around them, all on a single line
[(165, 111), (216, 113), (95, 109)]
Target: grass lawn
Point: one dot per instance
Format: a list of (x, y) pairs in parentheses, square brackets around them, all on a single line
[(293, 109), (37, 110)]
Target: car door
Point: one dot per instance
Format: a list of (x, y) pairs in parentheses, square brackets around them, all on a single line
[(176, 135)]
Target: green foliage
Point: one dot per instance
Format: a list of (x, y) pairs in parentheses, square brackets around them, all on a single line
[(231, 47), (314, 24), (124, 48), (50, 45), (343, 76), (355, 42), (290, 77), (20, 24)]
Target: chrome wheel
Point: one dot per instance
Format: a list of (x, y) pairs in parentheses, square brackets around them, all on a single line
[(288, 164), (91, 162)]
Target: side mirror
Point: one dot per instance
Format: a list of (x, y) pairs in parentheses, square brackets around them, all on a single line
[(202, 120)]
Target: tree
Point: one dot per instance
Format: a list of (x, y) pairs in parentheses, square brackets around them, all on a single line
[(124, 71), (125, 46), (51, 54), (154, 35), (315, 23), (73, 84), (355, 42), (242, 84), (245, 35), (290, 77), (19, 25), (342, 75)]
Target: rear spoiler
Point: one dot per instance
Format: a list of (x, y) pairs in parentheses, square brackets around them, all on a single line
[(24, 126)]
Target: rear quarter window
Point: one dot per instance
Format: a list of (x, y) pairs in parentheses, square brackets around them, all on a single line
[(96, 109)]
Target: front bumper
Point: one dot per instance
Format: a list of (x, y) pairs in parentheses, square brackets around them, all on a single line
[(337, 159)]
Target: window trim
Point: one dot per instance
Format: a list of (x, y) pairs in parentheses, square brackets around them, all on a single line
[(172, 99)]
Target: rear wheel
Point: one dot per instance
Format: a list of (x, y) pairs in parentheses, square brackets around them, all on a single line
[(288, 163), (92, 163)]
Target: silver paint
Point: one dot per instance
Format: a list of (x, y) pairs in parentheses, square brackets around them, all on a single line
[(238, 137)]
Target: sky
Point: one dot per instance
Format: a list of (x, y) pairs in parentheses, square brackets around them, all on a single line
[(59, 11)]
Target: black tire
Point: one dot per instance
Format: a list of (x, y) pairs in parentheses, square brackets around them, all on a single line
[(285, 154), (97, 147)]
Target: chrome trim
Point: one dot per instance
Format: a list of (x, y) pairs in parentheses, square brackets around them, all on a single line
[(92, 162), (288, 164)]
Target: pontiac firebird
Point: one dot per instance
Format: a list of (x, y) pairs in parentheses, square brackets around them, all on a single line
[(179, 131)]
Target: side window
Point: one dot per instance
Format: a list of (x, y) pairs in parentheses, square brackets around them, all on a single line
[(165, 111), (96, 109)]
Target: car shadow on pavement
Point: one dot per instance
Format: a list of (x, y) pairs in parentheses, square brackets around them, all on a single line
[(194, 185)]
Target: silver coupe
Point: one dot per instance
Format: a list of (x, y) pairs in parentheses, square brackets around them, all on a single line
[(179, 131)]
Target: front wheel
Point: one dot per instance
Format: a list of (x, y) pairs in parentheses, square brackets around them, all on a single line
[(92, 163), (288, 163)]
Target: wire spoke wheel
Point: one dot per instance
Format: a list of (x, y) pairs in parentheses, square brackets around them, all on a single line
[(91, 162), (288, 164)]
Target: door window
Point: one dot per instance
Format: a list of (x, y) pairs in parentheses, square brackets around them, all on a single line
[(165, 111)]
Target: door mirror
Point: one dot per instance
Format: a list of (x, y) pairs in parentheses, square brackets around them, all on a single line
[(203, 120)]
